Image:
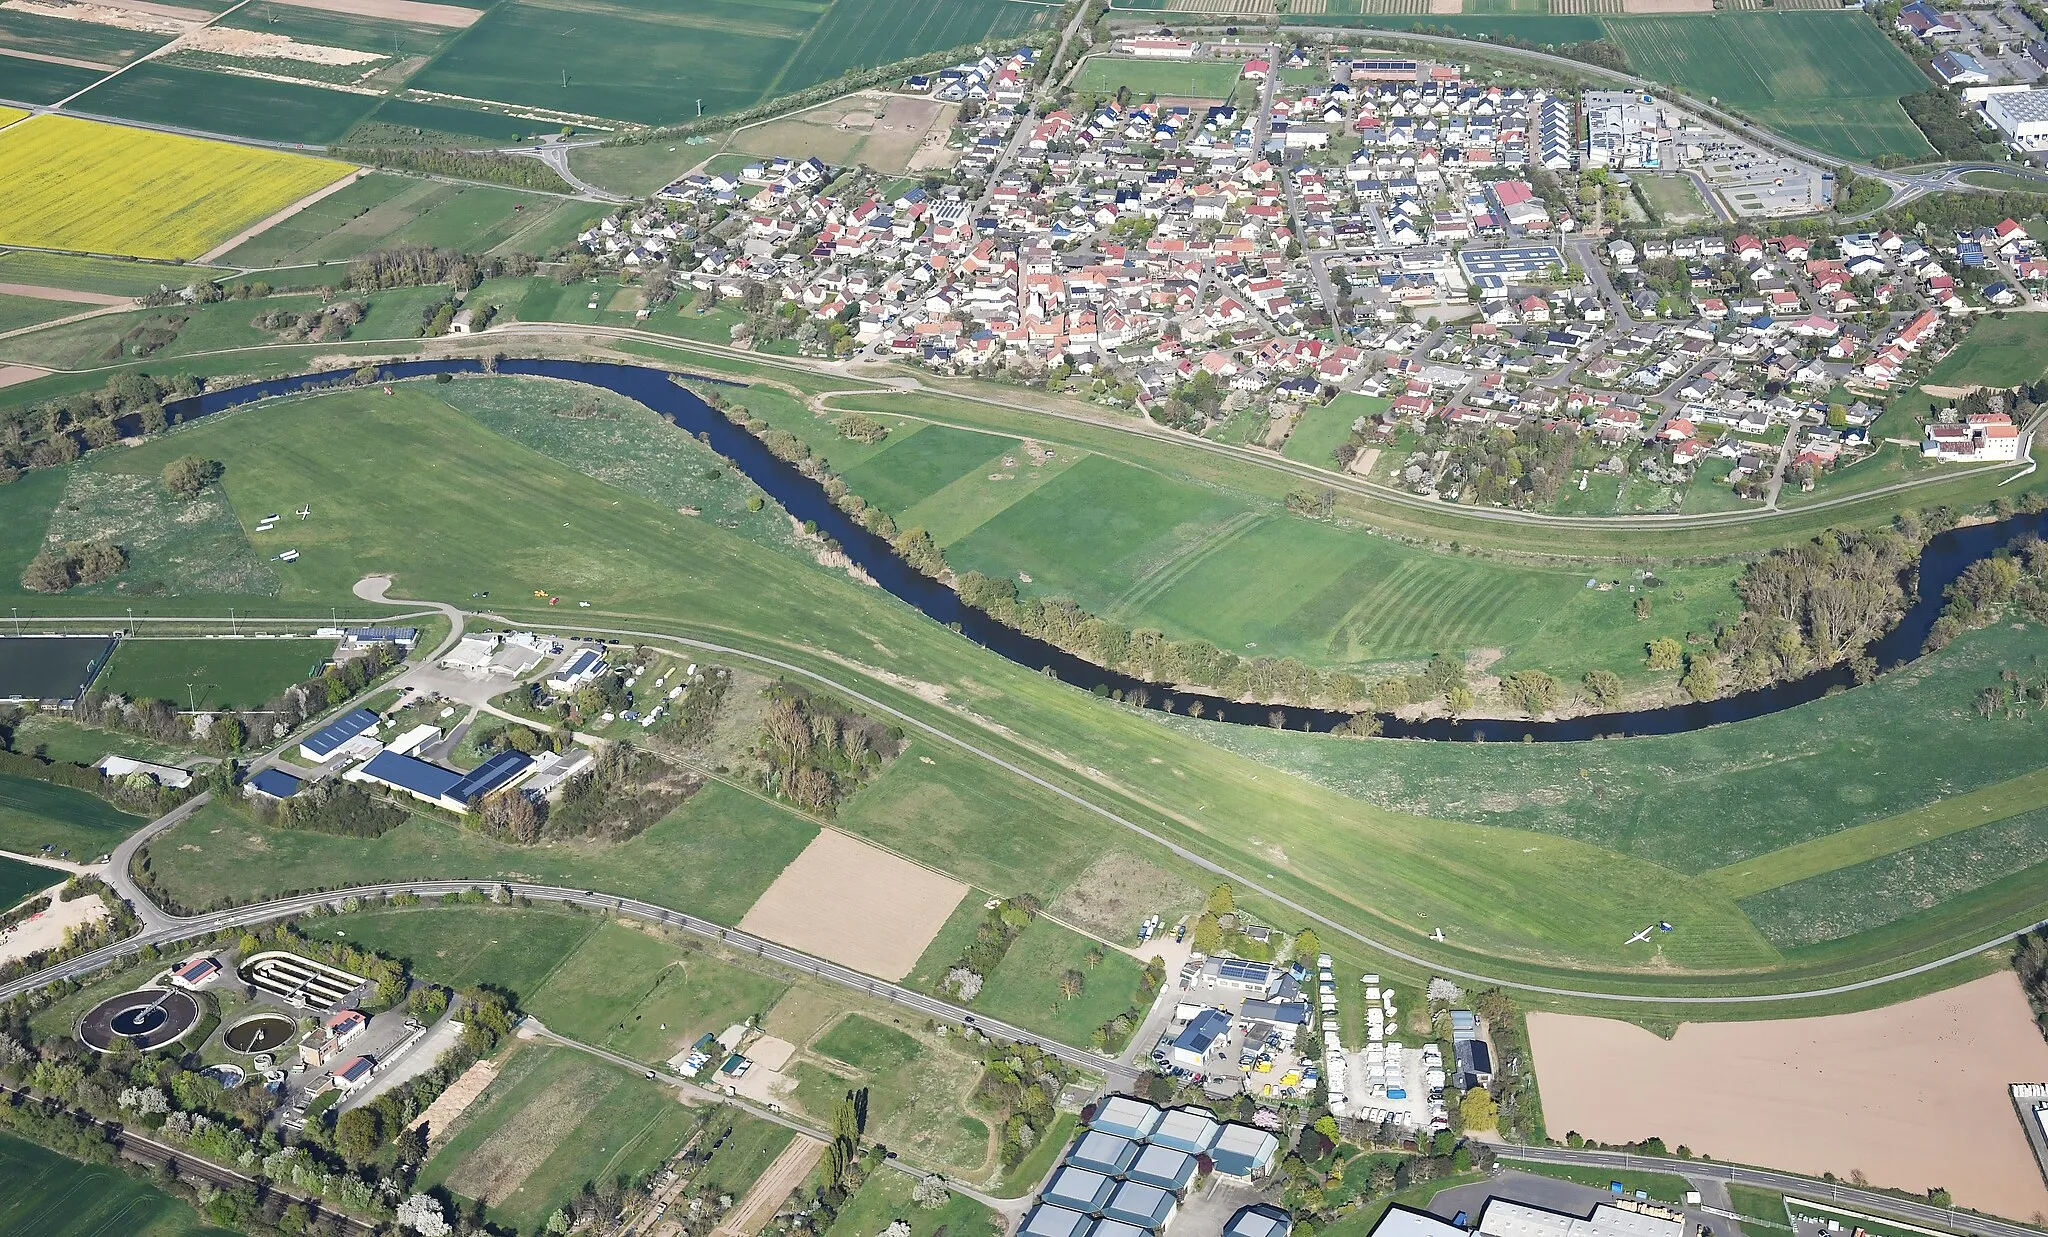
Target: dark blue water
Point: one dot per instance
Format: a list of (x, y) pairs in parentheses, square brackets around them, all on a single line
[(1944, 558)]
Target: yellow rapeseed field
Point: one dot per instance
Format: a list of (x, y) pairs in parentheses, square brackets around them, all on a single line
[(78, 184), (8, 115)]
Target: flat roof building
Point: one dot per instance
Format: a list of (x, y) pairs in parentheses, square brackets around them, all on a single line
[(1503, 1218), (2022, 116), (322, 744)]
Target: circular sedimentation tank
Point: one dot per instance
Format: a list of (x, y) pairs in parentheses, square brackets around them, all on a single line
[(260, 1033), (147, 1018)]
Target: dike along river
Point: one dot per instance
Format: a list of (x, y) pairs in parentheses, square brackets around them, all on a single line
[(1944, 558)]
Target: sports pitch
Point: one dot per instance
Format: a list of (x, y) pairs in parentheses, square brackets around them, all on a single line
[(1167, 79), (212, 674)]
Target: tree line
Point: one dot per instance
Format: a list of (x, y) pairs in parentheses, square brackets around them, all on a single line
[(517, 171)]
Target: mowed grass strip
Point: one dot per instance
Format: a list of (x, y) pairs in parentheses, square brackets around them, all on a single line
[(74, 184), (459, 946), (212, 674), (37, 814), (1879, 838)]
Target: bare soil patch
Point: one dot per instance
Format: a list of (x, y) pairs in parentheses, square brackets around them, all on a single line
[(765, 1198), (452, 16), (262, 45), (1117, 891), (885, 132), (855, 904), (1667, 6), (148, 18), (46, 931), (1912, 1095), (13, 374), (37, 292), (460, 1094)]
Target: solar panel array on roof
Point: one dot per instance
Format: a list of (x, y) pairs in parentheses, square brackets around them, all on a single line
[(488, 776), (1243, 971), (429, 781), (323, 743)]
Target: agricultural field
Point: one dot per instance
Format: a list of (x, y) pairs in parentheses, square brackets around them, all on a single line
[(552, 1120), (53, 1196), (41, 81), (35, 814), (212, 674), (74, 184), (18, 880), (1105, 75), (17, 312), (381, 211), (1831, 80), (104, 46), (191, 98), (1998, 352), (561, 55)]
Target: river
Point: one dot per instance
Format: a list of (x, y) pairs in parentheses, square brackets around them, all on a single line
[(1943, 559)]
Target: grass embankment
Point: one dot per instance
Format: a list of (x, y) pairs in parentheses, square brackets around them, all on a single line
[(463, 511)]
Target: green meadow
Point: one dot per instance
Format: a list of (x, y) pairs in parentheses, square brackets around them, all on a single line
[(212, 674), (36, 814)]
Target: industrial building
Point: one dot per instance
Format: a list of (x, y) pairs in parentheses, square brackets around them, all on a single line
[(1262, 978), (337, 736), (1503, 1218), (585, 665), (1193, 1045), (164, 775), (2022, 116), (1126, 1174), (275, 783), (445, 788)]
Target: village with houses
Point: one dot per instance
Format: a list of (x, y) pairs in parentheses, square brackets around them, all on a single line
[(1461, 254)]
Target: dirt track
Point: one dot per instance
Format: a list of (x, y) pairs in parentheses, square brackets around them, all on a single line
[(752, 1213), (37, 292), (1913, 1095), (855, 904)]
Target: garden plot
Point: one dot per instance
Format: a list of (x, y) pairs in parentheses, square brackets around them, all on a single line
[(855, 904), (1910, 1095), (174, 546)]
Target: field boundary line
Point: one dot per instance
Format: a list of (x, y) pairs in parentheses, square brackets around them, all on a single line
[(261, 226)]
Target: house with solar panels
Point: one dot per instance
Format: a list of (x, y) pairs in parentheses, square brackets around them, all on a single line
[(1126, 1174)]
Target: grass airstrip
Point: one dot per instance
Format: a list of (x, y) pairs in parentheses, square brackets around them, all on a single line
[(77, 184), (458, 509)]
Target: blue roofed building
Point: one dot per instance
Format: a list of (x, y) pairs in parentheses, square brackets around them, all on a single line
[(431, 783), (498, 771), (1259, 1220), (274, 782), (322, 744), (1203, 1031)]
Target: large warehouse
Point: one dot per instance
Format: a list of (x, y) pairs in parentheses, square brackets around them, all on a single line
[(2022, 116)]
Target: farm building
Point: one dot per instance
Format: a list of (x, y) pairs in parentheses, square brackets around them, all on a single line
[(446, 788), (164, 775), (275, 783), (338, 736)]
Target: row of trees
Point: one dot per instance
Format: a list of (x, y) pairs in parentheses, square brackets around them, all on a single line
[(517, 171)]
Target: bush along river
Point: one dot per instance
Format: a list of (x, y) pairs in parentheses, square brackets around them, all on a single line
[(1944, 558)]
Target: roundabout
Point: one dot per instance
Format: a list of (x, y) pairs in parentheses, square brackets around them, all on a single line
[(148, 1018)]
